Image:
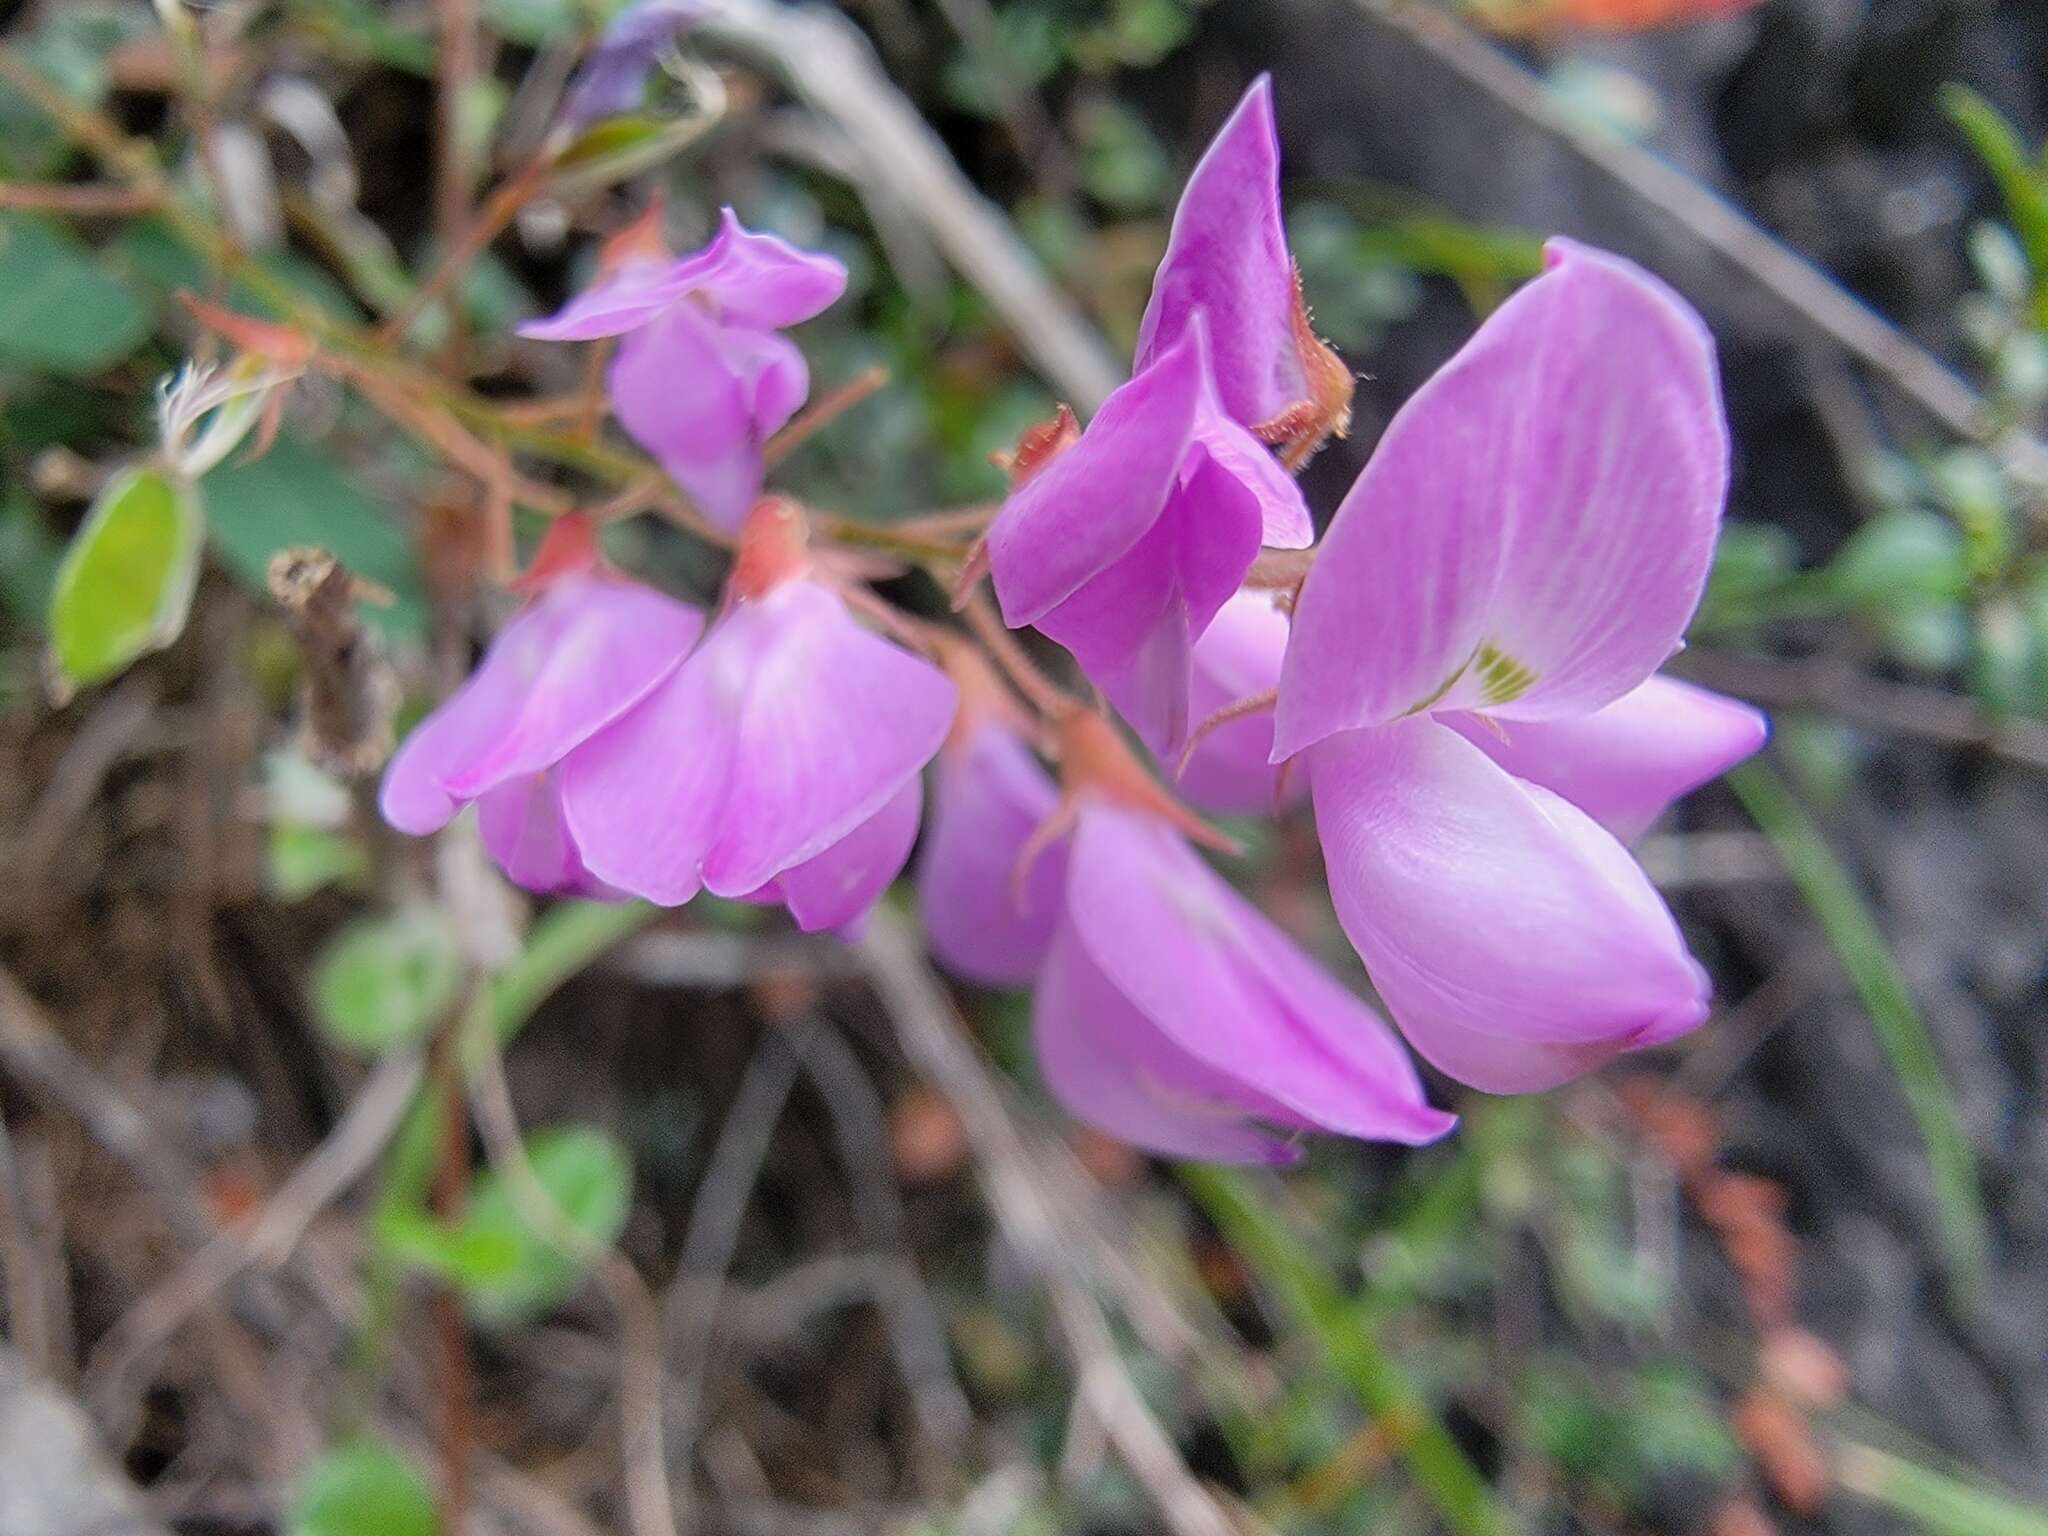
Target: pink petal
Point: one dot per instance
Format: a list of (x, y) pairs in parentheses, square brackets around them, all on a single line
[(773, 374), (586, 651), (1625, 764), (644, 799), (1092, 504), (991, 795), (760, 282), (616, 303), (1228, 989), (835, 721), (1284, 520), (1133, 627), (1230, 771), (679, 396), (1228, 256), (1111, 1066), (1492, 915), (1533, 532), (522, 829), (835, 890)]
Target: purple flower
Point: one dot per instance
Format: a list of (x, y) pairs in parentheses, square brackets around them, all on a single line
[(1230, 771), (990, 796), (1625, 763), (1169, 1011), (780, 761), (614, 76), (589, 648), (1123, 546), (1523, 550), (1227, 260), (703, 376)]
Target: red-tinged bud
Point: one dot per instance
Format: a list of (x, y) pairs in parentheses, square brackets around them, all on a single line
[(1040, 444), (1325, 412), (774, 548), (279, 344), (568, 548), (641, 240), (1094, 759), (984, 698)]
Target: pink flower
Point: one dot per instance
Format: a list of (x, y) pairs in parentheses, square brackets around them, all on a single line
[(588, 649), (703, 376), (780, 761), (1227, 260), (989, 797), (1524, 549), (1626, 762), (1230, 771), (1169, 1010), (1123, 546)]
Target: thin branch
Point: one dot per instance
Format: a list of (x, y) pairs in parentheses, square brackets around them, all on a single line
[(347, 1153), (453, 176), (1833, 687), (932, 1036), (641, 1420), (1717, 224), (90, 199), (828, 62)]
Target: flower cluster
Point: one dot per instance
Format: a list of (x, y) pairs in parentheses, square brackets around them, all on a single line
[(1463, 682)]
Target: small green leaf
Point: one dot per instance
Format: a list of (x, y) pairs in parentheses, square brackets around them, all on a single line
[(608, 152), (302, 859), (589, 1176), (532, 23), (1935, 1501), (362, 1489), (60, 308), (1752, 564), (1123, 164), (2022, 182), (296, 495), (125, 584), (1910, 553), (386, 981)]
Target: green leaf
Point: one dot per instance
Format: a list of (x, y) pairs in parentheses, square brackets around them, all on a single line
[(1123, 164), (611, 151), (1752, 564), (296, 495), (125, 584), (2021, 181), (362, 1489), (60, 308), (1937, 1502), (302, 859), (1909, 553), (386, 981), (589, 1176), (1307, 1295), (1860, 944), (70, 47), (532, 22)]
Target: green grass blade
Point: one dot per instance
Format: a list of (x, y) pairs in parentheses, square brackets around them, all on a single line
[(1851, 928), (1940, 1504), (1311, 1297)]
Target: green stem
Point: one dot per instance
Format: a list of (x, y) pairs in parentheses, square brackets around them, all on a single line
[(1248, 1218), (1852, 930)]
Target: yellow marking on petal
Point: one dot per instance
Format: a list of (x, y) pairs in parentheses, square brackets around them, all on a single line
[(1436, 694), (1501, 677)]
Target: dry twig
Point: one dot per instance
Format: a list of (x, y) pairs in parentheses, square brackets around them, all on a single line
[(1013, 1180)]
